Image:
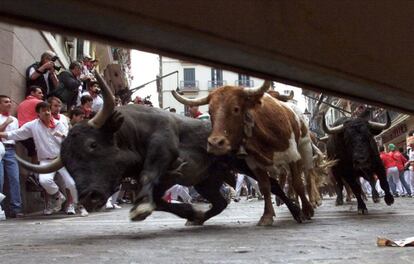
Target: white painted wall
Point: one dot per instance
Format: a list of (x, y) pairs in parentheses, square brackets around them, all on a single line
[(202, 75)]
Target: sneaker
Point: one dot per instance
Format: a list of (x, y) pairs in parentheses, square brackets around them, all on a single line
[(57, 203), (70, 210), (109, 205), (47, 211), (2, 214), (83, 211), (117, 206)]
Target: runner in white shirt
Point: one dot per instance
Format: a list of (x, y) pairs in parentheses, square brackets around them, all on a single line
[(55, 107), (48, 134), (94, 92)]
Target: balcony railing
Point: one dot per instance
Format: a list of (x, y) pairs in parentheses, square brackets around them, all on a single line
[(189, 86), (244, 83), (217, 83), (382, 117)]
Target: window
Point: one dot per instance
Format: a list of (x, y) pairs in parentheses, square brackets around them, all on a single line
[(189, 77), (79, 49), (216, 78), (216, 74), (244, 80)]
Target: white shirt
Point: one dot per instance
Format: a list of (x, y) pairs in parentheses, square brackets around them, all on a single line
[(97, 102), (410, 154), (65, 123), (12, 126), (46, 141)]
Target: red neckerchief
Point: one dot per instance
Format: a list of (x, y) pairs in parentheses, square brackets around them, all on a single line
[(87, 111), (56, 116), (5, 113), (51, 123)]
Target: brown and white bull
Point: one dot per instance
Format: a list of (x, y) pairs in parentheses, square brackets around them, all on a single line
[(268, 133)]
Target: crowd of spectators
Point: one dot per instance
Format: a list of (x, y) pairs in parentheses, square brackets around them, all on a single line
[(55, 101)]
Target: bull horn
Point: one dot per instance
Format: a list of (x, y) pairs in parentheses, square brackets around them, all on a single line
[(286, 98), (381, 126), (190, 102), (323, 139), (108, 104), (257, 90), (331, 130), (55, 165)]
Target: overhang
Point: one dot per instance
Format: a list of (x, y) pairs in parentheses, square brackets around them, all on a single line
[(358, 49)]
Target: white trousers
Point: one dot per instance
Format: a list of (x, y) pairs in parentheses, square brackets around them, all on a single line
[(366, 187), (239, 184), (180, 191), (394, 174), (47, 181)]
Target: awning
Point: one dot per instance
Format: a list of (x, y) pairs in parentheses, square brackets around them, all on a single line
[(357, 49)]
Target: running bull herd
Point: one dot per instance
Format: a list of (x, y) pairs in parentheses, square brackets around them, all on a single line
[(252, 131)]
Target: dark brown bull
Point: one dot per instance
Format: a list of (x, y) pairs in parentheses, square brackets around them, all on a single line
[(267, 132)]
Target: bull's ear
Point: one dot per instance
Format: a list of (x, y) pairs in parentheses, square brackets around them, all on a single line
[(114, 122)]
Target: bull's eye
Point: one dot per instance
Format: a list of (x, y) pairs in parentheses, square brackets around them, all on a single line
[(236, 110), (93, 145)]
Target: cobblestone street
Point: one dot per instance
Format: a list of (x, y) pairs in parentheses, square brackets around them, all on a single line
[(335, 235)]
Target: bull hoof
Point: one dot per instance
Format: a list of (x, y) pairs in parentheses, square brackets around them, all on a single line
[(308, 212), (198, 219), (297, 213), (339, 202), (319, 202), (362, 211), (278, 201), (376, 199), (141, 211), (265, 221), (389, 199)]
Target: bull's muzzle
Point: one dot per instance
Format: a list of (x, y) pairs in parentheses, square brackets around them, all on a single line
[(218, 145)]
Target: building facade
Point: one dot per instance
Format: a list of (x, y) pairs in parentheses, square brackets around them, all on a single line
[(195, 80)]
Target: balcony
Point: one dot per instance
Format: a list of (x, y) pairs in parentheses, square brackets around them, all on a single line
[(244, 83), (381, 116), (215, 84), (189, 86)]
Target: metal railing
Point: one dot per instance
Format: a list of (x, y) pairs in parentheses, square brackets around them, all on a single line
[(244, 83), (382, 117), (189, 85), (215, 84)]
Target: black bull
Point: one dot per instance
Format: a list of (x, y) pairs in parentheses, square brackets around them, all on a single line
[(155, 147), (351, 142)]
